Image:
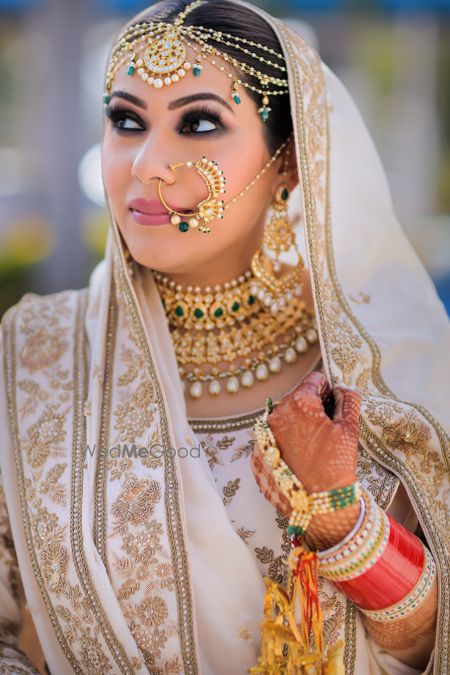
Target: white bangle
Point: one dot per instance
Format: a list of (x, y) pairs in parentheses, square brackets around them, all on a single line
[(328, 551)]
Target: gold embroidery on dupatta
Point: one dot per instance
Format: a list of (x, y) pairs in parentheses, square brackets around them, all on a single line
[(9, 630), (103, 441), (337, 323), (91, 644), (140, 547), (135, 567), (47, 541)]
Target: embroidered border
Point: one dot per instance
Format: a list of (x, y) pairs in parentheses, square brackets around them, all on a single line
[(9, 333), (103, 441), (174, 522), (76, 528)]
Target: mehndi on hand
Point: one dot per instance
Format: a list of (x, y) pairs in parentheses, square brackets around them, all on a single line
[(321, 451)]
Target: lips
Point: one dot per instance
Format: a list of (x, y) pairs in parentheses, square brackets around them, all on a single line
[(151, 212), (151, 207)]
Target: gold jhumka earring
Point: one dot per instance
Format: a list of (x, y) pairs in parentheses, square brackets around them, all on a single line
[(275, 291)]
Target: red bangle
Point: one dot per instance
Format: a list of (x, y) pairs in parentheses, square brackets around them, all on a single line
[(393, 576)]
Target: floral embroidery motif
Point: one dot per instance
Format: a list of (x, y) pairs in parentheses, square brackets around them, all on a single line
[(138, 555), (45, 437), (405, 431), (212, 447), (135, 503), (46, 333), (230, 489)]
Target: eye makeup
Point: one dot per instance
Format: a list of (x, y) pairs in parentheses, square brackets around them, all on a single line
[(125, 120)]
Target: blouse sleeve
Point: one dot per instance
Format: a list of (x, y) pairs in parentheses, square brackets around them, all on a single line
[(12, 660)]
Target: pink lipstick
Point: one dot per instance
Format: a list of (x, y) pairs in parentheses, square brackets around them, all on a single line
[(150, 211)]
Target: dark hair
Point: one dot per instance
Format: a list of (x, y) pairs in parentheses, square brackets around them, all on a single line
[(240, 22)]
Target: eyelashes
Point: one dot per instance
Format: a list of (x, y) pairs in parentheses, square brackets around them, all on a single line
[(120, 116), (208, 113), (127, 121)]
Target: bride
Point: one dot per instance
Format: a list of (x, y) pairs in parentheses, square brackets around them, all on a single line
[(229, 454)]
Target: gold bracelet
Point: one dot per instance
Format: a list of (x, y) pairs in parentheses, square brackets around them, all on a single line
[(304, 505)]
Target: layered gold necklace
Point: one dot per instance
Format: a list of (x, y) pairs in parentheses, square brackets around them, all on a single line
[(232, 335)]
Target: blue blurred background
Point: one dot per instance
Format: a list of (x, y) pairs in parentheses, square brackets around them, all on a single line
[(393, 55)]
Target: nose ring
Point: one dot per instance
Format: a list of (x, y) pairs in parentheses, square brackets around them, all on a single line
[(207, 209)]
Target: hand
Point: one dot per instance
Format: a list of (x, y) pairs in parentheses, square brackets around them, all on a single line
[(321, 451)]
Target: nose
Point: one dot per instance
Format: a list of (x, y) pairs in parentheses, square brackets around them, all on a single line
[(150, 163)]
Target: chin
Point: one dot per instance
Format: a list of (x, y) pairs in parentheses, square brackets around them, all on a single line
[(165, 257)]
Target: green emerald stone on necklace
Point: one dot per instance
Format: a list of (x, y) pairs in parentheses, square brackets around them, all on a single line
[(235, 306), (198, 313), (130, 70), (285, 194), (251, 300), (218, 312), (179, 311)]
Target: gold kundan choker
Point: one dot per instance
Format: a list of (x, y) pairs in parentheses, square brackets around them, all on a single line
[(229, 336)]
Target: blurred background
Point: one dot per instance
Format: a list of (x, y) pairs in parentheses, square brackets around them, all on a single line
[(393, 55)]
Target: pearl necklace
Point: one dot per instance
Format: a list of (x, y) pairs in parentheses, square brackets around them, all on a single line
[(230, 324)]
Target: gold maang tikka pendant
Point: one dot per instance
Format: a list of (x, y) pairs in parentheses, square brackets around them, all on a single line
[(164, 61)]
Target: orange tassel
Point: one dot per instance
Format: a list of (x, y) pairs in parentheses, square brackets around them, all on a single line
[(286, 648)]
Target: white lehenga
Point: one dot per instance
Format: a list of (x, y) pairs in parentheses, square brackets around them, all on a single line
[(139, 568)]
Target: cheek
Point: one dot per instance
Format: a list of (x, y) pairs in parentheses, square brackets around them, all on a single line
[(241, 162), (115, 170)]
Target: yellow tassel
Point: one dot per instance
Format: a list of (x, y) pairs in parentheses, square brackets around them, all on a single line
[(286, 648)]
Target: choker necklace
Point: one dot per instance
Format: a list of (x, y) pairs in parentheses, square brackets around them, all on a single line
[(230, 336)]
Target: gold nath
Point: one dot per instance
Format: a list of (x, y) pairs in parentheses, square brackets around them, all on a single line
[(157, 51), (208, 208), (211, 207)]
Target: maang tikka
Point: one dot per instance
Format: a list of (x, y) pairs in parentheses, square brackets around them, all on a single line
[(156, 51)]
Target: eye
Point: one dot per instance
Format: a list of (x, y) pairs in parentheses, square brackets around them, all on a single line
[(202, 125), (201, 121), (124, 120)]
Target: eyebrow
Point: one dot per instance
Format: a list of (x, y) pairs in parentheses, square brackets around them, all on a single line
[(173, 105), (201, 96)]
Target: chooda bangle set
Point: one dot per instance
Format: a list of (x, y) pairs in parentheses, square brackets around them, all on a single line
[(379, 565)]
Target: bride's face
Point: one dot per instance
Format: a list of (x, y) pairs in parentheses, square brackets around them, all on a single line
[(149, 129)]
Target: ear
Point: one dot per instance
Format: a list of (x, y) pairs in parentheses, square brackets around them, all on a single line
[(288, 165)]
